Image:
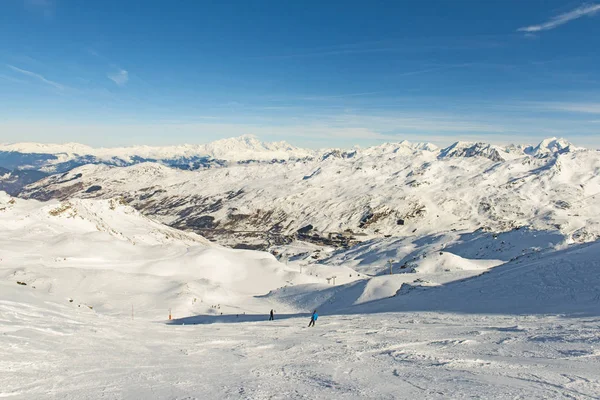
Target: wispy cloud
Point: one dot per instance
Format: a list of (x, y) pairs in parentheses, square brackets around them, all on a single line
[(333, 52), (118, 75), (37, 76), (431, 44), (340, 96), (413, 122), (584, 108), (121, 77), (434, 69), (554, 22)]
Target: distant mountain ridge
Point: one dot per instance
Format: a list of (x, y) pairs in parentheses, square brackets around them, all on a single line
[(393, 189), (12, 182), (63, 157), (58, 158)]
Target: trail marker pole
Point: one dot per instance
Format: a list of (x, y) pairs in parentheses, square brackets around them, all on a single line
[(170, 317)]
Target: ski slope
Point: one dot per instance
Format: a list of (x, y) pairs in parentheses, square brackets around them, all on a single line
[(52, 350), (99, 278)]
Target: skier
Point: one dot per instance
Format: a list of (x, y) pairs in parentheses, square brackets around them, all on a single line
[(272, 316), (313, 319)]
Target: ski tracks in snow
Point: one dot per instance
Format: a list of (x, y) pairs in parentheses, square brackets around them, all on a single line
[(379, 356)]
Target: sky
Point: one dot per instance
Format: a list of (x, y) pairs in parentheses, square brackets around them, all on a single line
[(313, 73)]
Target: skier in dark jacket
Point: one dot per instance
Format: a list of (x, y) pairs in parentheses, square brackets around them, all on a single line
[(272, 316), (313, 319)]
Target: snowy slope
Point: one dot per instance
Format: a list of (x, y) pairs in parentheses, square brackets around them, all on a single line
[(108, 256), (562, 282), (434, 252), (50, 349), (394, 189), (104, 254)]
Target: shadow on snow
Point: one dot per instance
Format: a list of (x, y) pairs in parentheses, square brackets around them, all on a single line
[(564, 283), (235, 318)]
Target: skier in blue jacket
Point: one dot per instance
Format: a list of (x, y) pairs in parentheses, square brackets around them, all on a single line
[(313, 319)]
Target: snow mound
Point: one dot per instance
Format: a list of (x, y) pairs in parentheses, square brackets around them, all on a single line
[(448, 262), (563, 282)]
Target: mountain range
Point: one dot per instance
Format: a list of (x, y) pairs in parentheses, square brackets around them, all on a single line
[(341, 197), (56, 158)]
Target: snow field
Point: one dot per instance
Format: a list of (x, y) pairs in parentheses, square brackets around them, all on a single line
[(49, 350)]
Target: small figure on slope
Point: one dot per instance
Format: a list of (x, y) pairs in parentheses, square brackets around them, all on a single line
[(272, 316), (313, 319)]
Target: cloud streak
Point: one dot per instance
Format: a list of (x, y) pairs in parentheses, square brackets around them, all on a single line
[(37, 76), (583, 108), (555, 22), (121, 77), (431, 44)]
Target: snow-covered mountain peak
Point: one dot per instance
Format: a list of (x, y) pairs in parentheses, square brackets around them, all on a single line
[(248, 147), (551, 146), (402, 147), (426, 146), (458, 145), (246, 142), (470, 149)]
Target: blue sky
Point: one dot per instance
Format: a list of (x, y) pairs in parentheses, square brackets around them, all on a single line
[(116, 72)]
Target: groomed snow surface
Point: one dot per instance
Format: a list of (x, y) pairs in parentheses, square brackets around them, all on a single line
[(55, 351), (484, 318)]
